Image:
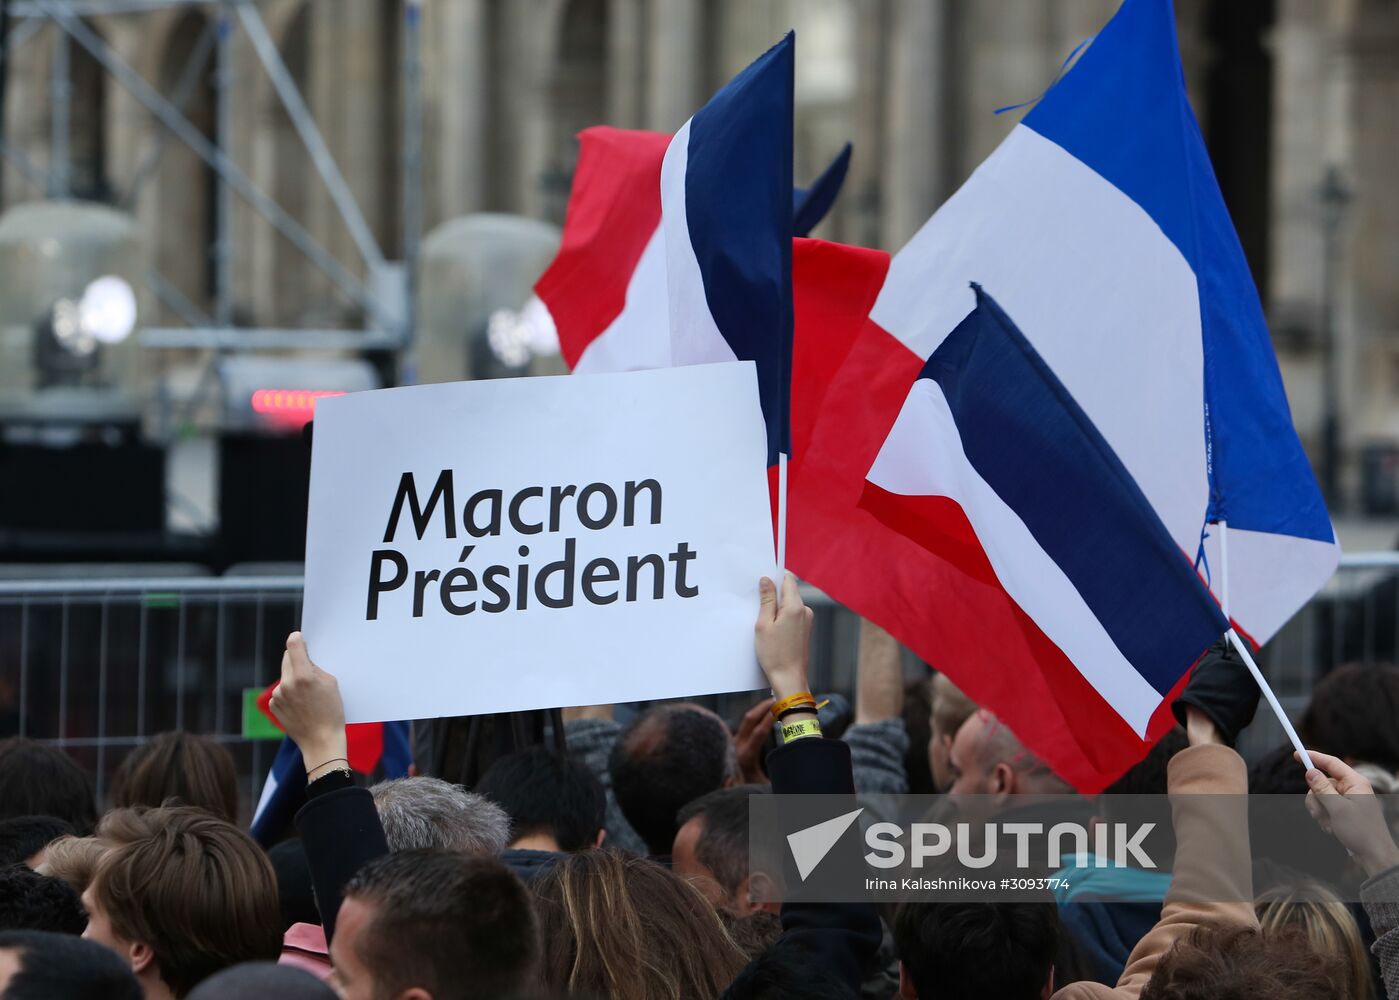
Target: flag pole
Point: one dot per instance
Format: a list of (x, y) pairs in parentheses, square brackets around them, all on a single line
[(781, 517), (1242, 647)]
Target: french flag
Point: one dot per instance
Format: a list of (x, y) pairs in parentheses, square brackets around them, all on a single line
[(700, 229), (1100, 227), (994, 467)]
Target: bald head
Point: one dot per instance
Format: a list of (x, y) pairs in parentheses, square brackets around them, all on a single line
[(988, 759)]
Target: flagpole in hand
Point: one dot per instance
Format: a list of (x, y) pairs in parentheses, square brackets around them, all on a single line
[(1242, 647), (781, 513)]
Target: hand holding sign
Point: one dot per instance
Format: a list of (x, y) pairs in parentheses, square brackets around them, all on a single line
[(307, 704), (784, 637)]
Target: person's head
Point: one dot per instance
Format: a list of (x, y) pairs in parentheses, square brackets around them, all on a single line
[(294, 888), (554, 802), (1002, 950), (41, 965), (435, 925), (988, 759), (181, 894), (1325, 921), (785, 972), (191, 770), (1277, 773), (950, 708), (37, 780), (711, 851), (262, 981), (1352, 713), (1234, 962), (24, 838), (668, 756), (429, 812), (73, 859), (33, 902), (626, 928)]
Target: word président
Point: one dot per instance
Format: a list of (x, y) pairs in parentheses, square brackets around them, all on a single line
[(530, 511)]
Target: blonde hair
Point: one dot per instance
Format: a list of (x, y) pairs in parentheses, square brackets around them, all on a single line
[(73, 859), (1319, 914), (951, 707), (623, 927)]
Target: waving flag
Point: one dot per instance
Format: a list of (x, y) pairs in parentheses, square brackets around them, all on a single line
[(605, 293), (1100, 227), (994, 467)]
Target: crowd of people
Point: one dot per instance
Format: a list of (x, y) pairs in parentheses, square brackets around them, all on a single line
[(616, 862)]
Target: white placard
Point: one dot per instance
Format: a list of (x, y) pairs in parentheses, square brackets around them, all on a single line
[(637, 504)]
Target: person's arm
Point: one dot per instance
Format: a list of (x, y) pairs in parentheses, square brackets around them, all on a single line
[(339, 826), (1344, 803), (842, 937), (878, 739), (1213, 879)]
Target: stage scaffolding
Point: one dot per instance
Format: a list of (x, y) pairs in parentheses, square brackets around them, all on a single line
[(386, 293)]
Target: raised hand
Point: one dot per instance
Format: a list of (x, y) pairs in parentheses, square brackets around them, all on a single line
[(1345, 806)]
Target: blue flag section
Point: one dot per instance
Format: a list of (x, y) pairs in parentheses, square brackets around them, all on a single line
[(810, 205), (727, 206), (1130, 81)]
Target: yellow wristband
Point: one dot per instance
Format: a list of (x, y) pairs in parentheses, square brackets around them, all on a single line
[(792, 701), (800, 730)]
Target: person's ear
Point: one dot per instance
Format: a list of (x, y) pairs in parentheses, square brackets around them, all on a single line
[(758, 892), (1002, 779), (141, 956), (907, 991), (601, 836), (414, 993)]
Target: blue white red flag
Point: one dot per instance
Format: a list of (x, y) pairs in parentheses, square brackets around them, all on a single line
[(1099, 226), (994, 467)]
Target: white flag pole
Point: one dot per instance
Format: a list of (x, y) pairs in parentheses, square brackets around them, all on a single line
[(1224, 568), (781, 519), (1237, 642)]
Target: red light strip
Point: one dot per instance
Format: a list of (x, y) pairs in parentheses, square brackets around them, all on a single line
[(290, 405)]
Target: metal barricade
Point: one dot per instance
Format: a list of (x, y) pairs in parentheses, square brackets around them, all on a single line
[(97, 667)]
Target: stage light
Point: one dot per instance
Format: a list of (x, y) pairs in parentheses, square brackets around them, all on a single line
[(107, 310)]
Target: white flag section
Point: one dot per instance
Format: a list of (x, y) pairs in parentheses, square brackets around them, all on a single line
[(538, 542)]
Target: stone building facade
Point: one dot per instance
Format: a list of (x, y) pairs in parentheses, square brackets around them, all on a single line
[(1287, 91)]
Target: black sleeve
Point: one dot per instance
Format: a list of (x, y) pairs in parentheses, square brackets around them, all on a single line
[(843, 937), (340, 833)]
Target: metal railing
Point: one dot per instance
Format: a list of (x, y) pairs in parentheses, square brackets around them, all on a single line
[(98, 666)]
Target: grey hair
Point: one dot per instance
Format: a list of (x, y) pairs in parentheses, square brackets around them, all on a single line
[(430, 812)]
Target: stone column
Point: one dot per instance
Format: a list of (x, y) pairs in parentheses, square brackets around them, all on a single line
[(913, 179), (673, 67)]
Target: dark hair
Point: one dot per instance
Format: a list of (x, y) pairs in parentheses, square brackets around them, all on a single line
[(295, 893), (33, 902), (38, 780), (61, 965), (189, 769), (1352, 714), (193, 887), (1277, 773), (456, 925), (25, 836), (1003, 950), (626, 928), (1148, 775), (262, 981), (786, 972), (547, 793), (723, 842), (1232, 962), (668, 756)]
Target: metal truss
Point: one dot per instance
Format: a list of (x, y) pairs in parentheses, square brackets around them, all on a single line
[(389, 317)]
